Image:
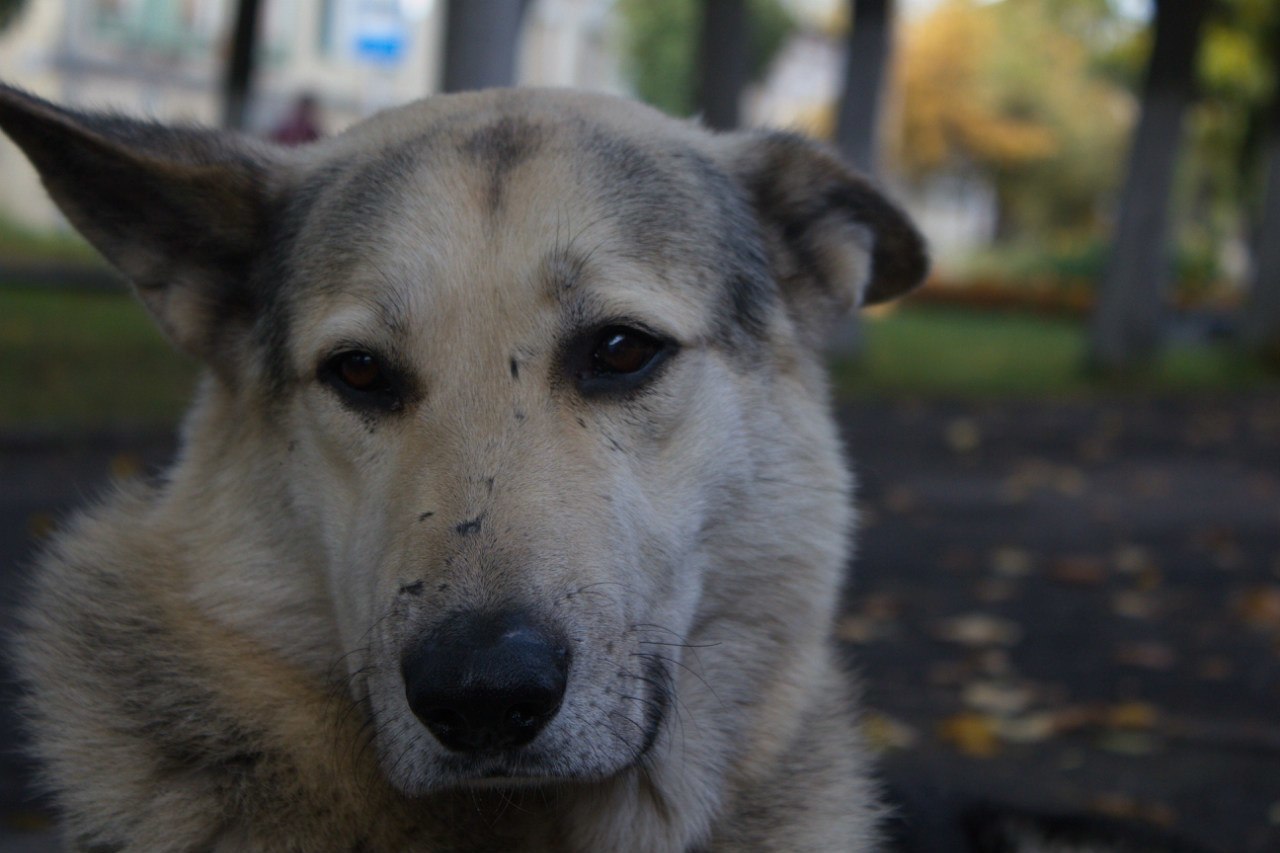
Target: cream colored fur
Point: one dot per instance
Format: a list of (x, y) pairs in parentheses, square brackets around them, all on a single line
[(213, 659)]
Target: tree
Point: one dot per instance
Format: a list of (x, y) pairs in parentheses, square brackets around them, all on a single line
[(9, 12), (660, 46), (238, 82), (481, 37), (858, 118), (997, 93), (1262, 318), (722, 62), (1127, 324)]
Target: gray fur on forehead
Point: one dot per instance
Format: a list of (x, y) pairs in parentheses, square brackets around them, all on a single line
[(652, 184)]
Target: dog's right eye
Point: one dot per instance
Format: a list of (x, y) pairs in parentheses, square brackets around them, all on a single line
[(362, 380)]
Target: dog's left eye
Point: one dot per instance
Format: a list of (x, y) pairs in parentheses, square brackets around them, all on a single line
[(617, 359), (362, 379), (623, 351)]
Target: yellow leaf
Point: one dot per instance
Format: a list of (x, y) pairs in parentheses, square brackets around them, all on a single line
[(973, 735)]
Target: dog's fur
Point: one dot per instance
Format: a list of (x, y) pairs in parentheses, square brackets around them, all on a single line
[(214, 661)]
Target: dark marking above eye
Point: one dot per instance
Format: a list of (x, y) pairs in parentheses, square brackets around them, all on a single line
[(466, 528), (499, 148)]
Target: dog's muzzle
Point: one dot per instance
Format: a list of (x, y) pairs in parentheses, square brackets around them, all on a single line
[(486, 682)]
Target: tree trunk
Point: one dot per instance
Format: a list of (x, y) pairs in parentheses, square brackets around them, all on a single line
[(1128, 321), (481, 37), (722, 62), (238, 82), (1261, 324), (858, 122)]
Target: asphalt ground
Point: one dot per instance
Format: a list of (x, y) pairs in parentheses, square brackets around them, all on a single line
[(1065, 607)]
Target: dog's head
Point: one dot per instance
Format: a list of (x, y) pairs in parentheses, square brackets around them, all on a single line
[(536, 376)]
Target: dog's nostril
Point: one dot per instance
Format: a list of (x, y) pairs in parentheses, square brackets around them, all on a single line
[(486, 682), (444, 719), (524, 715)]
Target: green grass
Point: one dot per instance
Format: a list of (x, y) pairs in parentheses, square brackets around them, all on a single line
[(18, 244), (949, 352), (75, 361)]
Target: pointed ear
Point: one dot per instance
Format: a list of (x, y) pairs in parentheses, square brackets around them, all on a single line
[(834, 241), (182, 212)]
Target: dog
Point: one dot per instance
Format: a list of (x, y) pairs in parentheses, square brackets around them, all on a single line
[(510, 513)]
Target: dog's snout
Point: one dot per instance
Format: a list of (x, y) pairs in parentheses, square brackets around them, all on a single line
[(486, 681)]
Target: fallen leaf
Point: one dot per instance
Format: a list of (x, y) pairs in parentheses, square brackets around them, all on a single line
[(1149, 578), (881, 606), (1132, 715), (125, 465), (1153, 484), (995, 663), (1263, 487), (1078, 570), (1215, 668), (1071, 759), (1127, 743), (1028, 728), (1127, 808), (1011, 562), (957, 558), (859, 629), (1002, 698), (978, 629), (1259, 607), (1132, 559), (1070, 481), (962, 435), (994, 590), (900, 499), (948, 673), (1133, 605), (884, 732), (971, 734), (1094, 449), (1149, 655)]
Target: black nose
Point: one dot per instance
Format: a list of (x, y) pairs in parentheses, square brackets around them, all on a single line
[(486, 681)]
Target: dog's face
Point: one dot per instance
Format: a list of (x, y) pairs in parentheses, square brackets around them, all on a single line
[(533, 368)]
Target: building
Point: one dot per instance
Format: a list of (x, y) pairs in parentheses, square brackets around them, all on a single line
[(165, 58)]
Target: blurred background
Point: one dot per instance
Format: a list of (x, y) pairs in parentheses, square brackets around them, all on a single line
[(1067, 594)]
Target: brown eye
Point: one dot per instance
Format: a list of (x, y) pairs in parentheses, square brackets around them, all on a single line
[(359, 371), (364, 381), (622, 351)]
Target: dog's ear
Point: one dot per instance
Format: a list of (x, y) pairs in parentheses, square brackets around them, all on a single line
[(834, 240), (182, 212)]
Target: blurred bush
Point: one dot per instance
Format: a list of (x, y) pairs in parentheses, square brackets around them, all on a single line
[(660, 40)]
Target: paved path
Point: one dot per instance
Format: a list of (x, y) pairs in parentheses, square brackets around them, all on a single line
[(1061, 606), (1074, 607)]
